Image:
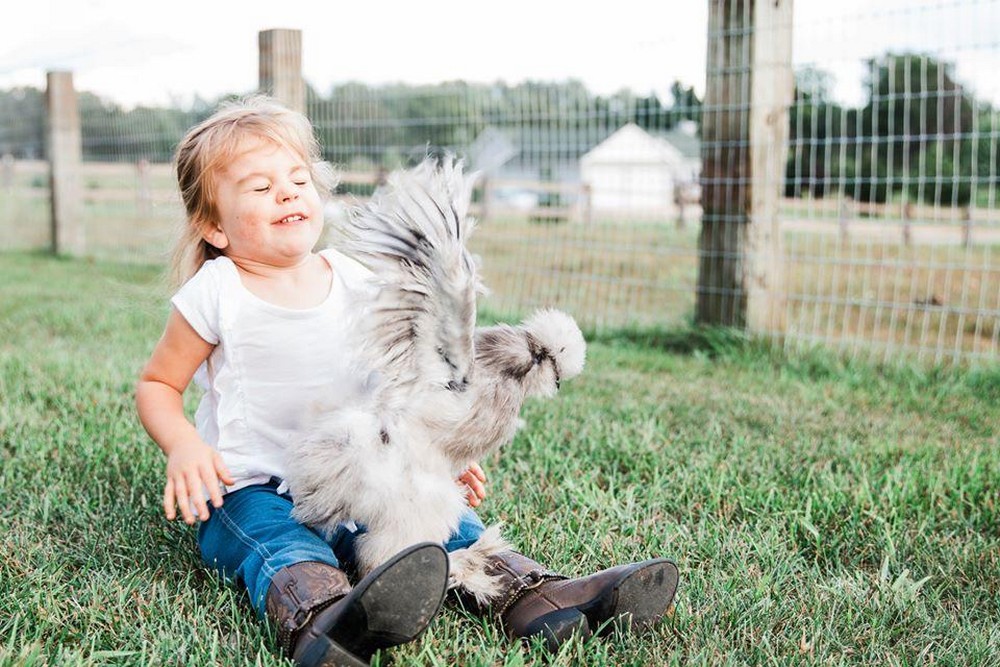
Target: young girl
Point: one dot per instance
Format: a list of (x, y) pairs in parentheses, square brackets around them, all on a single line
[(258, 324)]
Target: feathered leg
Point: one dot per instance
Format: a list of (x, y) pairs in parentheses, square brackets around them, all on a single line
[(467, 567)]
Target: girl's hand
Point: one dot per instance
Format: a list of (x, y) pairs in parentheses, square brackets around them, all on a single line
[(474, 479), (192, 469)]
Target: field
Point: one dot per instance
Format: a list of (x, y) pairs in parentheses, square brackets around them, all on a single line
[(821, 511), (864, 293)]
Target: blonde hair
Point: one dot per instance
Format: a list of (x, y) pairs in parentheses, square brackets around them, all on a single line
[(213, 143)]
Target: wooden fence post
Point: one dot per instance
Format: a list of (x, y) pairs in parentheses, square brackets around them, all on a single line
[(966, 226), (143, 190), (7, 171), (744, 145), (62, 133), (907, 224), (845, 210), (280, 67)]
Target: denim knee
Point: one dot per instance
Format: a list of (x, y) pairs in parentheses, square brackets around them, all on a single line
[(253, 535), (468, 531), (470, 527)]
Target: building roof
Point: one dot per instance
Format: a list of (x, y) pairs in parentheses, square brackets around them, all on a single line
[(633, 145), (684, 138), (514, 144)]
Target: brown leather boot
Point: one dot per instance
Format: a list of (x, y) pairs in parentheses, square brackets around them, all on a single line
[(536, 601), (322, 621)]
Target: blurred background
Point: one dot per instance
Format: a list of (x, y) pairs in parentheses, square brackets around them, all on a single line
[(820, 174)]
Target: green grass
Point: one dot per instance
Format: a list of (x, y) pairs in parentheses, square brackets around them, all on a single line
[(821, 511)]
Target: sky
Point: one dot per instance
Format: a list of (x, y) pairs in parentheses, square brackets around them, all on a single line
[(144, 53), (125, 50)]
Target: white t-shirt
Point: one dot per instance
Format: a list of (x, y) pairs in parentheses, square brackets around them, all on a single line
[(270, 364)]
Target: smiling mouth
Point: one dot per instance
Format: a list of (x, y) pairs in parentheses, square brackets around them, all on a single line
[(290, 219)]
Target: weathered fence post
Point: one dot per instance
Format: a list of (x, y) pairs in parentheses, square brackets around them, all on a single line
[(966, 226), (679, 202), (280, 67), (143, 190), (907, 224), (7, 171), (844, 211), (62, 132), (744, 138)]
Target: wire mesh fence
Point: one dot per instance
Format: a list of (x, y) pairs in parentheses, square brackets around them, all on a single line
[(885, 209), (891, 183), (24, 175), (547, 236)]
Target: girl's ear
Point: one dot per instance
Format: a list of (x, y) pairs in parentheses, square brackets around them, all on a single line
[(214, 235)]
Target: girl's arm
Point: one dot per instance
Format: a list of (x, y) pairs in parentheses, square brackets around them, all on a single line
[(191, 463)]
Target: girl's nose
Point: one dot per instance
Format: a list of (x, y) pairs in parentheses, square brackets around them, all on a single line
[(287, 193)]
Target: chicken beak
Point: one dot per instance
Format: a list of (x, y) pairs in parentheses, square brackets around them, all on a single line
[(456, 386)]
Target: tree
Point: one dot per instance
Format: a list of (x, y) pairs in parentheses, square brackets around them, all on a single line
[(816, 127), (686, 105), (916, 136), (914, 106), (22, 123)]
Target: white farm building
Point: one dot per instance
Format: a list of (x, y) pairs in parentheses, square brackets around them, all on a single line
[(636, 174)]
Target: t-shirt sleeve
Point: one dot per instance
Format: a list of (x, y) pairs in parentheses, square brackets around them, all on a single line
[(198, 302)]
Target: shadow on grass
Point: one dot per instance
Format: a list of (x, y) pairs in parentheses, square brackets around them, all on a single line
[(711, 341), (813, 363), (686, 338)]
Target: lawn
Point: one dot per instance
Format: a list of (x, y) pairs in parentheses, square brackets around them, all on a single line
[(864, 294), (821, 512)]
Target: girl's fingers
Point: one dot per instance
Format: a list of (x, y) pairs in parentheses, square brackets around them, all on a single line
[(183, 499), (476, 470), (472, 497), (169, 501), (210, 480), (476, 490), (222, 471), (478, 482), (197, 489)]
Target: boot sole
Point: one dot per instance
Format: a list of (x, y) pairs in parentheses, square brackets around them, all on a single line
[(639, 598), (390, 606)]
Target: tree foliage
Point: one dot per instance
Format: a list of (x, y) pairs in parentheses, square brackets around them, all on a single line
[(919, 136), (369, 126)]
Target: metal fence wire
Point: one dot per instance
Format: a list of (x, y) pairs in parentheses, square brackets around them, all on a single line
[(890, 211), (877, 234)]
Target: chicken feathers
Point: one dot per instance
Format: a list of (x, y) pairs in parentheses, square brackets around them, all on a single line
[(429, 393)]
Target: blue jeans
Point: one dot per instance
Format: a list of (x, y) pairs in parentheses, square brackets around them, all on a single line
[(253, 535)]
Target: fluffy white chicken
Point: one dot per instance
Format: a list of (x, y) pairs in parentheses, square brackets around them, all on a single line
[(430, 393)]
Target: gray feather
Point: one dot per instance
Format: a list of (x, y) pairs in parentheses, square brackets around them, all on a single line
[(432, 393)]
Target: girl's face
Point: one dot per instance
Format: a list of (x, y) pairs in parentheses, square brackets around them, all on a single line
[(269, 210)]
